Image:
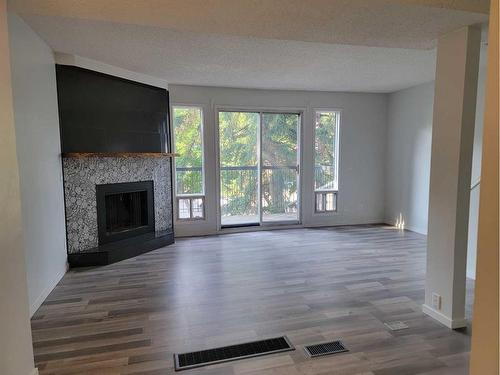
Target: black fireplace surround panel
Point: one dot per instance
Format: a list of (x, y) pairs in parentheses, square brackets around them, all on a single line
[(124, 210), (104, 113)]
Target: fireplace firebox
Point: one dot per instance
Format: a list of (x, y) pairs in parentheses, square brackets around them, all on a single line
[(124, 210)]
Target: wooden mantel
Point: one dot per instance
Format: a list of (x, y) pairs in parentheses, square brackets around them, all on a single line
[(118, 155)]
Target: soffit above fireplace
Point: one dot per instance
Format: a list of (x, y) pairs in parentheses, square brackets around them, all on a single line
[(103, 113)]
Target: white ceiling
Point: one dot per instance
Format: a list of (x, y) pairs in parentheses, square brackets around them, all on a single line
[(329, 45)]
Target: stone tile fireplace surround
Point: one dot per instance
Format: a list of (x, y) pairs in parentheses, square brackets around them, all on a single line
[(83, 174)]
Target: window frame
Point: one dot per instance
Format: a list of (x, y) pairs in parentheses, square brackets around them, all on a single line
[(323, 194), (335, 190), (303, 115), (190, 196)]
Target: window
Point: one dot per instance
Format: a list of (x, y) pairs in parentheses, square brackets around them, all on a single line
[(189, 165), (326, 201), (326, 160)]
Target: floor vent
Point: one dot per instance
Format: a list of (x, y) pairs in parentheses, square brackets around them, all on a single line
[(207, 357), (396, 326), (326, 348)]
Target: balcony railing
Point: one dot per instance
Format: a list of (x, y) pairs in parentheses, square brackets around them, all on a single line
[(239, 187)]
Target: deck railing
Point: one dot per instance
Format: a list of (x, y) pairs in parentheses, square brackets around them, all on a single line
[(239, 187)]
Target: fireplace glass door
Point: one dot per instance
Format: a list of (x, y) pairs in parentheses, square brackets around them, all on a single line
[(124, 210)]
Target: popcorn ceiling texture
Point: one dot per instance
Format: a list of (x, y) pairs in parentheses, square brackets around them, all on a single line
[(81, 175), (320, 45), (379, 23)]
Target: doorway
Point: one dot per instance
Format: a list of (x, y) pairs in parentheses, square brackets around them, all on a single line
[(258, 168)]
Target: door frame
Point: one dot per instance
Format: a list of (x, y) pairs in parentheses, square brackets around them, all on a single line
[(300, 111)]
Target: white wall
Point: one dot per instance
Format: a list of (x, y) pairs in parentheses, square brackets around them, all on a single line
[(362, 149), (409, 134), (451, 161), (473, 232), (476, 167), (38, 152), (16, 351)]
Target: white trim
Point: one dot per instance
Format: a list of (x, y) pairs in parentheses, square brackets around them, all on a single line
[(258, 109), (347, 223), (415, 229), (216, 129), (443, 319), (475, 184), (259, 168), (408, 226), (45, 293), (259, 228), (34, 371)]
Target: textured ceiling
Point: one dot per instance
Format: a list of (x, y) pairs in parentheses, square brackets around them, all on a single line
[(193, 58), (386, 23), (328, 45)]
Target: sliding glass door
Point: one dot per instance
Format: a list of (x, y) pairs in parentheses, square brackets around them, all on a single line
[(238, 168), (258, 166), (279, 167)]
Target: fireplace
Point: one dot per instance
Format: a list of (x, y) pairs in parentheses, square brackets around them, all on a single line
[(114, 132), (117, 207), (124, 210)]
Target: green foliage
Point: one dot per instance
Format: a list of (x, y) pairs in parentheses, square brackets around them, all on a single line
[(188, 144), (279, 149), (238, 132), (324, 149), (238, 138)]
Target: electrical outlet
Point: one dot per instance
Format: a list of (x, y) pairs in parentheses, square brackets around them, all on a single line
[(436, 301)]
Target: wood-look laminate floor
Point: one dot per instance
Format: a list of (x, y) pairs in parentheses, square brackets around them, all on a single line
[(312, 285)]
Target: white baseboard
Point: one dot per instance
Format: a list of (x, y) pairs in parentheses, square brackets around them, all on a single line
[(183, 230), (443, 319), (409, 227), (319, 224), (45, 293), (35, 371)]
